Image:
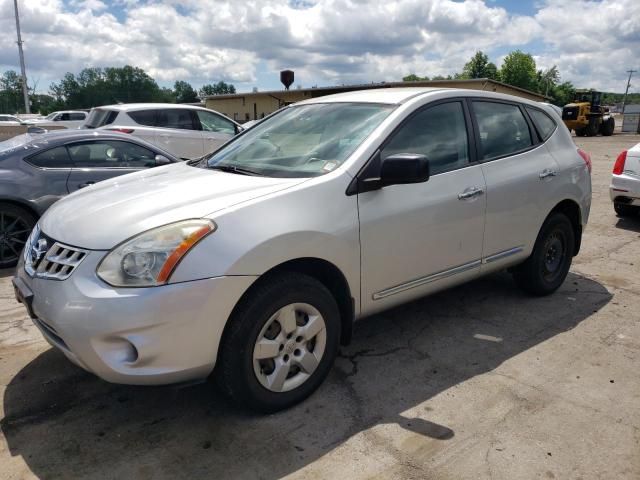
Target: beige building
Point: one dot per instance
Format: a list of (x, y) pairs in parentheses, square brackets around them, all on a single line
[(243, 107)]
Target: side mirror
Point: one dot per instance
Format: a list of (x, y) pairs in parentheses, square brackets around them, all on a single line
[(162, 160), (404, 168)]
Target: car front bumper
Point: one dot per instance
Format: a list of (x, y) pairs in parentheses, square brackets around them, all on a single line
[(625, 189), (143, 336)]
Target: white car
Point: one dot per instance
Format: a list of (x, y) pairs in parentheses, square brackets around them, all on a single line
[(186, 131), (65, 118), (9, 120), (625, 183), (257, 259)]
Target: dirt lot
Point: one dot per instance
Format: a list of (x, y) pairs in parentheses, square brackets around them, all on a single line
[(477, 382)]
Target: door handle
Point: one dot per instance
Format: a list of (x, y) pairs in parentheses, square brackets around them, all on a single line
[(86, 184), (547, 172), (470, 192)]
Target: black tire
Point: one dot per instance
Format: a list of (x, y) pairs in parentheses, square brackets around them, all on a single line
[(235, 369), (580, 132), (607, 127), (623, 210), (591, 130), (15, 227), (547, 267)]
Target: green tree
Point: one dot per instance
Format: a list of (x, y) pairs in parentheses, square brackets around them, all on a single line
[(11, 100), (563, 93), (480, 67), (519, 70), (547, 79), (184, 92), (414, 78), (219, 88)]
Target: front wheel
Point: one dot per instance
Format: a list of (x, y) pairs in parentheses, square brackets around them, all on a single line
[(547, 267), (280, 343), (15, 227)]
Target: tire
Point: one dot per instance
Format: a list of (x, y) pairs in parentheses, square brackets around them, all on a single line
[(261, 383), (16, 224), (547, 267), (607, 127), (623, 210), (591, 130), (580, 132)]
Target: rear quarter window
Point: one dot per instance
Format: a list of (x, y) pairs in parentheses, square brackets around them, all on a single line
[(144, 117), (52, 158), (543, 122)]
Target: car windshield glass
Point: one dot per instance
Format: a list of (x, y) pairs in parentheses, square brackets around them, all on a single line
[(15, 142), (51, 116), (301, 141)]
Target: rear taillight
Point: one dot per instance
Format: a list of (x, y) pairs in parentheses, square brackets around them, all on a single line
[(618, 167), (586, 157), (121, 130)]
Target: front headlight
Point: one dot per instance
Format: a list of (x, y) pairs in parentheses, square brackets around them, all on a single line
[(149, 259)]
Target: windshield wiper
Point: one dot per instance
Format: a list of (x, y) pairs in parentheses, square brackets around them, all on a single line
[(234, 169)]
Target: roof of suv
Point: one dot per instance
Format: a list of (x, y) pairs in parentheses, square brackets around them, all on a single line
[(126, 107)]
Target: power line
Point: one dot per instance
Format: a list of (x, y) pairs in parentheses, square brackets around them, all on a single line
[(25, 92), (624, 100)]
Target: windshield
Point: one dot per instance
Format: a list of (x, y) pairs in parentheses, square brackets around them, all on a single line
[(301, 141), (15, 142), (51, 116)]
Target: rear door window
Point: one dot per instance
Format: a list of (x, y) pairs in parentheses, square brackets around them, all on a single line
[(502, 128), (177, 118), (77, 116), (543, 122), (111, 154), (53, 158), (144, 117)]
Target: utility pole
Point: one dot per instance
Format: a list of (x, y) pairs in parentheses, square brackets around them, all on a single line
[(25, 91), (624, 100)]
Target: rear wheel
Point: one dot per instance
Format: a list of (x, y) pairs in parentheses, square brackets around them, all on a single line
[(280, 343), (580, 132), (547, 267), (15, 227), (623, 210), (607, 127), (591, 130)]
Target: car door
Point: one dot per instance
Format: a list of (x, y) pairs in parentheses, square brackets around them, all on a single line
[(519, 173), (416, 238), (216, 129), (47, 176), (179, 133), (98, 160)]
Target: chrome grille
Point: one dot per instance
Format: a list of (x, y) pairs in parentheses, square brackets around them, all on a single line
[(56, 263)]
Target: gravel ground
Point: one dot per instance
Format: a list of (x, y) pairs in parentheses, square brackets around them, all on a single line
[(477, 382)]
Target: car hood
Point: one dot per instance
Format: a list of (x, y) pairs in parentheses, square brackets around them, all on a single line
[(103, 215)]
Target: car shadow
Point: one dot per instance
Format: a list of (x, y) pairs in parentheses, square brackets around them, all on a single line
[(66, 423), (631, 224)]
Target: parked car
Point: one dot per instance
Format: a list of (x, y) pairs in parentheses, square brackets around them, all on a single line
[(625, 183), (37, 170), (184, 130), (9, 120), (66, 118), (258, 258)]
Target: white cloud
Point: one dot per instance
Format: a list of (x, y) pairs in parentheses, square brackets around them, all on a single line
[(324, 41)]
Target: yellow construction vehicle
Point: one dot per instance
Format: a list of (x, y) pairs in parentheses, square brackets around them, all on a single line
[(586, 116)]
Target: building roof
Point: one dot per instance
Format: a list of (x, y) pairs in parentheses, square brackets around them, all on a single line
[(365, 86)]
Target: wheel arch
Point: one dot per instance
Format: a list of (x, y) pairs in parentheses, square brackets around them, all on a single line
[(572, 211), (21, 204), (327, 274)]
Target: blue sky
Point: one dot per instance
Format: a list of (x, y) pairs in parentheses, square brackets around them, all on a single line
[(326, 42)]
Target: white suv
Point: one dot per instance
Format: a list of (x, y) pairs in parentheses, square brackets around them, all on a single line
[(257, 259), (183, 130)]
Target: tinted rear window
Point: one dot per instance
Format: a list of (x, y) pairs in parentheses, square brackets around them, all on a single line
[(503, 129), (52, 158), (100, 117), (543, 122), (144, 117), (175, 118)]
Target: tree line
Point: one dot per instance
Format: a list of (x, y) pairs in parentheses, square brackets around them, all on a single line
[(101, 86), (519, 69)]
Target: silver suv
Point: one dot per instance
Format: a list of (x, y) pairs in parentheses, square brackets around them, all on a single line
[(258, 258), (186, 131)]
